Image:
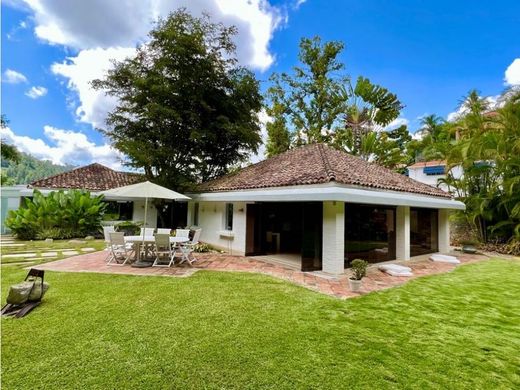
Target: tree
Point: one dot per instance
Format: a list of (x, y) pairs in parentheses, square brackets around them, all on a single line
[(312, 99), (318, 103), (8, 152), (488, 150), (186, 112)]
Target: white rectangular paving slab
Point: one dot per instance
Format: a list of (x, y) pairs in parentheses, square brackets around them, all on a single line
[(88, 249), (69, 253), (19, 255), (49, 254)]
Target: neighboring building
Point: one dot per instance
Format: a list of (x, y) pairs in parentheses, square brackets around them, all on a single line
[(431, 172), (10, 198), (318, 208)]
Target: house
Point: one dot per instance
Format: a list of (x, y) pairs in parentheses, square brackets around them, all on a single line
[(432, 172), (94, 178), (318, 208)]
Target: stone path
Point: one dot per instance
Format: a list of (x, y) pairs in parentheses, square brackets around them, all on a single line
[(327, 284)]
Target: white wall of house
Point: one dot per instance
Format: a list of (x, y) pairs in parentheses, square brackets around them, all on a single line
[(138, 215), (212, 222), (333, 255), (10, 200), (418, 174)]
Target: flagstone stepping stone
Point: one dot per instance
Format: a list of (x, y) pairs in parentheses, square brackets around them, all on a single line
[(11, 244), (49, 254), (69, 253), (19, 255), (88, 249)]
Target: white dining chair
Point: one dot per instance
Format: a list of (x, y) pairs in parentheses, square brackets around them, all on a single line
[(147, 231), (163, 249), (106, 232), (187, 248), (121, 251), (164, 231)]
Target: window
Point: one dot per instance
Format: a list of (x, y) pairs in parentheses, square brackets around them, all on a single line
[(228, 222), (196, 214), (434, 171), (119, 211)]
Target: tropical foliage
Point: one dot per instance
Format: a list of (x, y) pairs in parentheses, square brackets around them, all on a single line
[(60, 214), (187, 112), (485, 142), (319, 103)]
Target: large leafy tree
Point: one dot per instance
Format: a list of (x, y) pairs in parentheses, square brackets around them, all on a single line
[(8, 152), (186, 111), (307, 104), (317, 102)]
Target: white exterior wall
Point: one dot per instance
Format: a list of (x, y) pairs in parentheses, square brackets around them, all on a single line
[(402, 224), (212, 219), (433, 180), (444, 231), (333, 256), (138, 215)]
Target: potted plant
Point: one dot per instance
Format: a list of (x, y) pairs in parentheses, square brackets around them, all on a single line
[(359, 271)]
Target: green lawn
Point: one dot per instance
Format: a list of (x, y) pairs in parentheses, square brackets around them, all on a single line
[(233, 330)]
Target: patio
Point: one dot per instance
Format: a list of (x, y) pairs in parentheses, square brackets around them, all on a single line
[(317, 281)]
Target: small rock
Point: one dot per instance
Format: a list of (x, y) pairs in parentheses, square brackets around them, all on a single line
[(77, 242), (89, 238), (49, 240)]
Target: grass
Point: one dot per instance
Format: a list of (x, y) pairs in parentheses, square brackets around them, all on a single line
[(238, 330), (39, 247)]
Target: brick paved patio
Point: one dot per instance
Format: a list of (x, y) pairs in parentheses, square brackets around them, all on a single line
[(317, 281)]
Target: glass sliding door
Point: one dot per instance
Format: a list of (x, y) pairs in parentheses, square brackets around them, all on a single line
[(423, 231), (369, 233)]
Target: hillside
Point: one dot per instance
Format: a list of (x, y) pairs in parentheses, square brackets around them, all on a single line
[(30, 168)]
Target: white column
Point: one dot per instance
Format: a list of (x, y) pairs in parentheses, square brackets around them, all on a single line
[(333, 237), (402, 223), (444, 230)]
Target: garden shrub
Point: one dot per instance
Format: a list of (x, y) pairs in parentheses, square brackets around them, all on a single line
[(58, 215)]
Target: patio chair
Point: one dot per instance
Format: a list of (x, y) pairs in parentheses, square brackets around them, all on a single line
[(164, 231), (162, 248), (147, 231), (106, 232), (188, 248), (121, 251), (182, 233)]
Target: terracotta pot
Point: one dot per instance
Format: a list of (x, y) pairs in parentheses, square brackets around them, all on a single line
[(355, 285)]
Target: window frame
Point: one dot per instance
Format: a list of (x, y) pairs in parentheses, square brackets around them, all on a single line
[(228, 216)]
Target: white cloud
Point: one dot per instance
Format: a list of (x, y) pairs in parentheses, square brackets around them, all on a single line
[(512, 74), (64, 147), (36, 92), (397, 123), (13, 77), (125, 23), (264, 118), (88, 65)]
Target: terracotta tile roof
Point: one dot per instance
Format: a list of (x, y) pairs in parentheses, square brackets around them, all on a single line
[(315, 164), (432, 163), (93, 177)]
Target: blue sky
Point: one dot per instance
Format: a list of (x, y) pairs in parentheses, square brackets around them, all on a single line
[(430, 53)]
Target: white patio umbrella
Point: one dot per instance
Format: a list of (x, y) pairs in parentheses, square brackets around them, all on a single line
[(145, 190)]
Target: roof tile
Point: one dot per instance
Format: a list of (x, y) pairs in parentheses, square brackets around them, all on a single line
[(316, 164), (93, 177)]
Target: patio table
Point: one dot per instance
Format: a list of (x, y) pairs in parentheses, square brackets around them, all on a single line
[(147, 240)]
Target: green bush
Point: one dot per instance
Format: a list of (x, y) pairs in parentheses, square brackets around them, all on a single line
[(359, 269), (58, 215), (130, 228), (202, 247)]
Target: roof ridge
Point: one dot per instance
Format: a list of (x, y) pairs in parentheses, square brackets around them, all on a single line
[(326, 163)]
